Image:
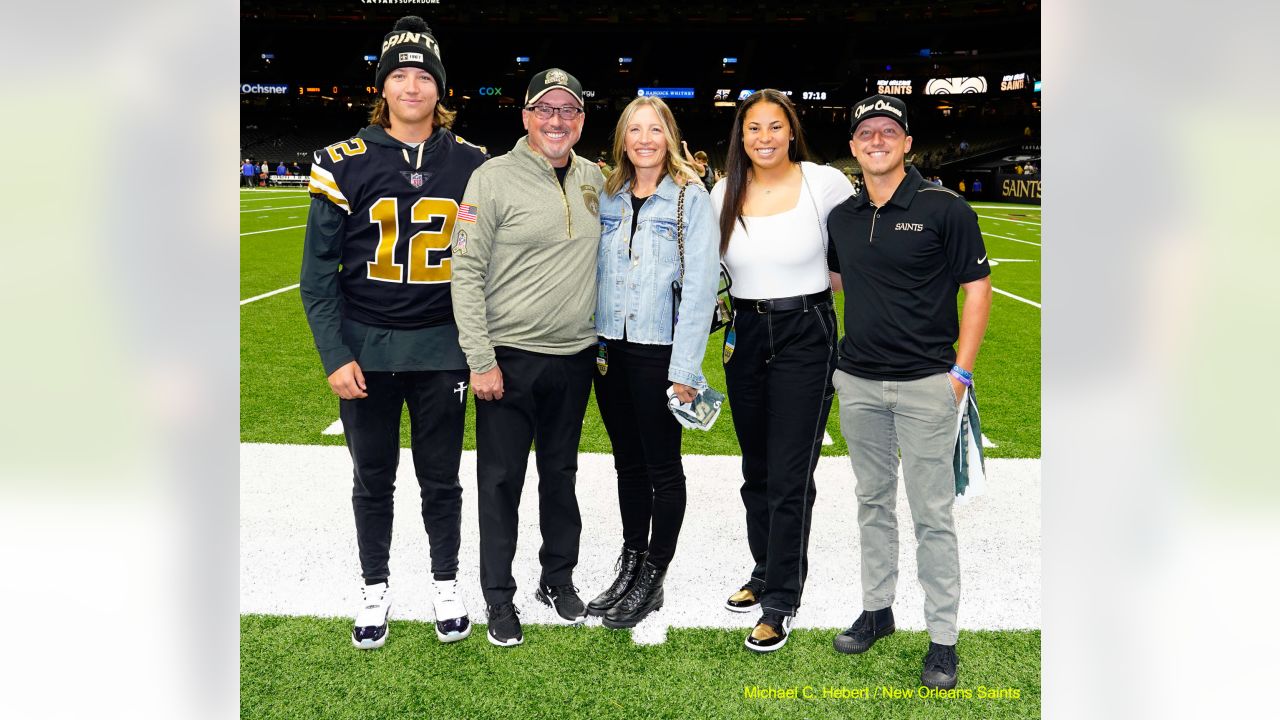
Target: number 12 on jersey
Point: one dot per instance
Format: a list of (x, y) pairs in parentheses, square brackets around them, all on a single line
[(439, 213)]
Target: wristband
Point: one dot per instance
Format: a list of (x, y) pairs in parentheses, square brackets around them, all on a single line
[(962, 372), (966, 381)]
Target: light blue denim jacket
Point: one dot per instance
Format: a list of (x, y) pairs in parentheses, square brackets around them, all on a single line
[(633, 289)]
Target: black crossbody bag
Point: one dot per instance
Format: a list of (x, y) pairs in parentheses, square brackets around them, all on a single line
[(723, 314)]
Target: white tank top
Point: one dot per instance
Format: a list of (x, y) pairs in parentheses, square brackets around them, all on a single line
[(779, 255)]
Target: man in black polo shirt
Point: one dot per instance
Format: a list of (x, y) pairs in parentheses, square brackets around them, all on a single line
[(903, 248)]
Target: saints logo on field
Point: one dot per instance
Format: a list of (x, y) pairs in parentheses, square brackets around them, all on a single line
[(591, 199)]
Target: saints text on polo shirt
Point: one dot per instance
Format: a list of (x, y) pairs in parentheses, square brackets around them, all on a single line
[(916, 227)]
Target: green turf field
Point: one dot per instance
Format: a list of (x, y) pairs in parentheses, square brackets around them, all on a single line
[(304, 668), (284, 397)]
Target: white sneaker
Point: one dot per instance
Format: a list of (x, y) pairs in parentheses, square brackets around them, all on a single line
[(370, 629), (452, 623)]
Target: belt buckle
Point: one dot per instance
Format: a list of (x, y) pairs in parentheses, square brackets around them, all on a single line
[(762, 306)]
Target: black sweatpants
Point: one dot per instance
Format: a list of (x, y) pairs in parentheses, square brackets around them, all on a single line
[(437, 409), (779, 381), (632, 397), (544, 399)]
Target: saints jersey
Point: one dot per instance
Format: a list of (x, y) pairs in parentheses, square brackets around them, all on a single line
[(400, 205)]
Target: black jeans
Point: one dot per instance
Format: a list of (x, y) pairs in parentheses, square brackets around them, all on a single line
[(543, 401), (646, 447), (779, 381), (372, 426)]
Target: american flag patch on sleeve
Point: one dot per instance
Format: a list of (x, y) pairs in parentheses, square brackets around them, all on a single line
[(467, 213)]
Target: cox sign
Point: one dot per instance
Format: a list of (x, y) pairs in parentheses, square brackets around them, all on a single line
[(487, 91)]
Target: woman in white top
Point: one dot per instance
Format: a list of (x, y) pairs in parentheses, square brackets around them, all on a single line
[(780, 353)]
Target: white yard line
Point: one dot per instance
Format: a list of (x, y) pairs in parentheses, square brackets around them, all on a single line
[(1015, 297), (298, 552), (259, 232), (1020, 222), (1034, 208), (246, 301), (1005, 237)]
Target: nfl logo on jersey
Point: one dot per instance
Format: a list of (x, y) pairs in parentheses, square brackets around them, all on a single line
[(416, 180)]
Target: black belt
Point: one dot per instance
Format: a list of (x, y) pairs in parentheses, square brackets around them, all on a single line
[(799, 302)]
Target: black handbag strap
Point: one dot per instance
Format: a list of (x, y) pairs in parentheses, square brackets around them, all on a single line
[(680, 229)]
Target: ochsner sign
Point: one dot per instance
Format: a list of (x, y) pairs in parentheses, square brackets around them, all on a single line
[(259, 89)]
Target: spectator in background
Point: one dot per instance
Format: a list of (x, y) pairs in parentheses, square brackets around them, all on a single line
[(702, 164), (603, 164), (1029, 168), (959, 187), (263, 171), (294, 169), (977, 185), (964, 146), (247, 171), (281, 171)]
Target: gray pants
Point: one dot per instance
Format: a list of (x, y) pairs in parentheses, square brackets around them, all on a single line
[(919, 416)]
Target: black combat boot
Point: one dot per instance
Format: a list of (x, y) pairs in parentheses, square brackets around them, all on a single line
[(628, 566), (644, 597)]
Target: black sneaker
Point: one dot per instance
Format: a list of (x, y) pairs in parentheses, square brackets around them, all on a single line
[(504, 625), (940, 667), (564, 599), (870, 626), (747, 598), (770, 632)]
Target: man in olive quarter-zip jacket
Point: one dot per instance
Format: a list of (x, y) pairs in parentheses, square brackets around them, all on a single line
[(524, 254)]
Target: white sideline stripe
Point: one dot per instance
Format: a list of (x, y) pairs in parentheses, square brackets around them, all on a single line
[(826, 438), (1020, 222), (334, 429), (1004, 237), (295, 523), (1015, 297), (1036, 208), (257, 191), (259, 232), (987, 442), (282, 207), (267, 295)]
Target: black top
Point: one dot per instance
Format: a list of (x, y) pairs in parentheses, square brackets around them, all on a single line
[(561, 172), (376, 250), (902, 265), (636, 204)]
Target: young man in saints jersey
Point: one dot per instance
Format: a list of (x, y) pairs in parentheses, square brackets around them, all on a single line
[(376, 272)]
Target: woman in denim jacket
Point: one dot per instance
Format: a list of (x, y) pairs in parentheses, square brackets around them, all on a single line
[(640, 355)]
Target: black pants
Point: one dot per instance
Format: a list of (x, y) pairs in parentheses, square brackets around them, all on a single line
[(779, 381), (372, 425), (544, 399), (646, 447)]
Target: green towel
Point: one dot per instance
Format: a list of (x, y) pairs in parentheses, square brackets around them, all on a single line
[(970, 475)]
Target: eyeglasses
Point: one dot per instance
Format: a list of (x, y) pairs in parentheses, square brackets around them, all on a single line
[(544, 112)]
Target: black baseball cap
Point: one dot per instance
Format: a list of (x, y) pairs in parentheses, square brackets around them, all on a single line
[(548, 80), (880, 106)]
